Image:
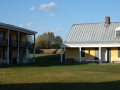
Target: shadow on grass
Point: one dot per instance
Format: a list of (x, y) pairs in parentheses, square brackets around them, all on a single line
[(42, 61), (113, 85)]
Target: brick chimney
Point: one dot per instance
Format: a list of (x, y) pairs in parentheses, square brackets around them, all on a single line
[(107, 20)]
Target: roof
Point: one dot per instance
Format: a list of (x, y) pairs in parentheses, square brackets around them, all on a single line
[(93, 33), (15, 28)]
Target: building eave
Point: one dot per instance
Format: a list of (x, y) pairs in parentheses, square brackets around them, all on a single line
[(91, 45), (15, 28)]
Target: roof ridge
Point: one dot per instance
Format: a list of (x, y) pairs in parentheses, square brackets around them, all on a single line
[(94, 23)]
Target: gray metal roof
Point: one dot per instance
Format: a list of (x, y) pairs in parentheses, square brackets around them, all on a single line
[(93, 33), (15, 28)]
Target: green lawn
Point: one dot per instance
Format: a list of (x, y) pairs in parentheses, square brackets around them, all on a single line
[(49, 74)]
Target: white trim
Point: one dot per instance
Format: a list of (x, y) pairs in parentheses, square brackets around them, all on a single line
[(91, 45), (118, 28), (100, 54), (80, 59)]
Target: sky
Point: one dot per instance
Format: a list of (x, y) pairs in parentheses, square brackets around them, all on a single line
[(57, 16)]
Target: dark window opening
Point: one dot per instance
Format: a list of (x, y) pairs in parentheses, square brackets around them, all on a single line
[(1, 35), (82, 52)]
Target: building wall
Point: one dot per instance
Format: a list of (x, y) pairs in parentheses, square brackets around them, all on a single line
[(74, 53), (114, 54), (14, 54), (22, 52), (23, 36), (13, 50), (14, 34), (89, 54)]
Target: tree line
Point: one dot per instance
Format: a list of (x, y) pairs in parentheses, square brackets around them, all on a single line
[(47, 41)]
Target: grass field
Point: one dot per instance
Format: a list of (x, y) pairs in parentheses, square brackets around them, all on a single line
[(49, 74)]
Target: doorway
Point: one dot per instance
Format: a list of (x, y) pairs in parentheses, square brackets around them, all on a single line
[(108, 55)]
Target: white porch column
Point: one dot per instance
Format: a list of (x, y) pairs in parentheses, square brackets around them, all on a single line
[(34, 49), (26, 48), (61, 55), (8, 47), (18, 48), (100, 54), (80, 59)]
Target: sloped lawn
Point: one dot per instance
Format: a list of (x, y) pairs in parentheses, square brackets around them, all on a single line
[(48, 74)]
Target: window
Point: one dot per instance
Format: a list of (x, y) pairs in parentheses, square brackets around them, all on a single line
[(1, 35), (1, 53), (82, 52), (117, 33), (118, 51)]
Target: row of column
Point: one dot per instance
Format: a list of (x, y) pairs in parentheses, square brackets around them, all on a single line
[(18, 48), (80, 59)]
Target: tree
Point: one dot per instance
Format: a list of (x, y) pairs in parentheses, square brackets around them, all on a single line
[(40, 42), (57, 42), (30, 38), (48, 41)]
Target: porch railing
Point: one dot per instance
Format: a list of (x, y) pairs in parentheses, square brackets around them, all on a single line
[(22, 44), (13, 43), (4, 43)]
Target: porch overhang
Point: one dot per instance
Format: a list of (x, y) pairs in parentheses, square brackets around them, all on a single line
[(91, 45), (16, 28)]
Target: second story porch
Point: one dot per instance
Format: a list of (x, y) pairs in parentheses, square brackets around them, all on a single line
[(16, 37)]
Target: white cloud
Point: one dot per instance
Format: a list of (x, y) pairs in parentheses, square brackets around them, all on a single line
[(21, 25), (46, 7), (44, 23), (56, 30), (34, 16), (29, 24), (45, 30), (32, 8), (52, 14), (49, 6)]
